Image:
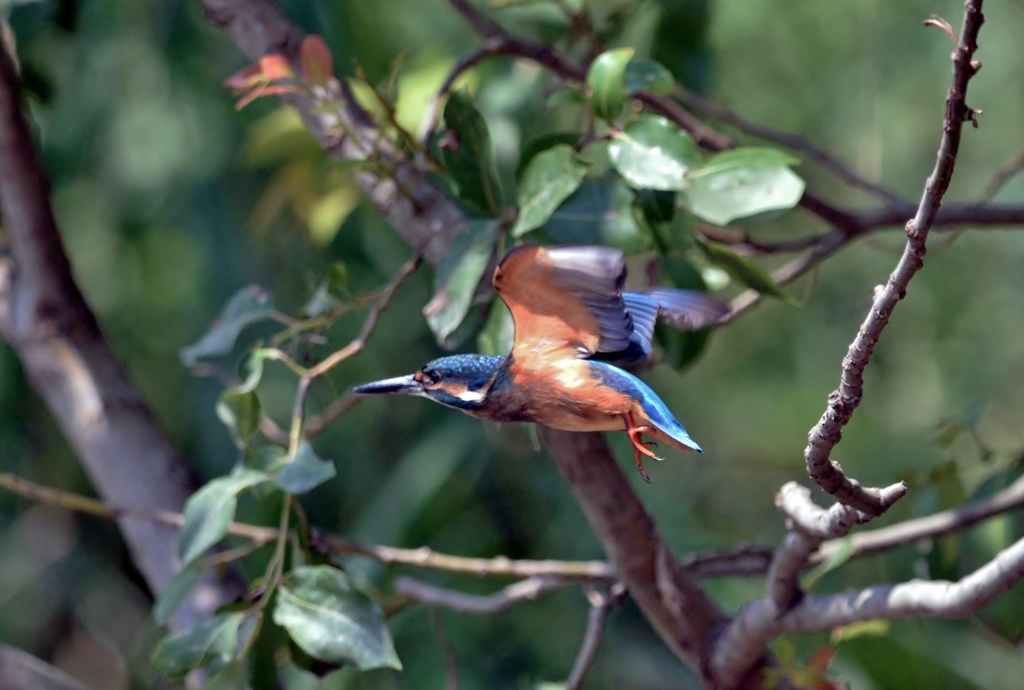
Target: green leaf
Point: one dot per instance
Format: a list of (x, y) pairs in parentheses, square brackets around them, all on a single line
[(249, 305), (742, 183), (543, 143), (606, 82), (330, 293), (648, 75), (745, 271), (234, 676), (658, 206), (240, 413), (458, 275), (598, 213), (469, 155), (329, 620), (498, 332), (838, 558), (653, 152), (210, 511), (566, 97), (876, 628), (176, 592), (305, 472), (214, 640), (548, 180)]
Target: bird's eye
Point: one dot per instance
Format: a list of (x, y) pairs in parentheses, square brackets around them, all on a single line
[(433, 376)]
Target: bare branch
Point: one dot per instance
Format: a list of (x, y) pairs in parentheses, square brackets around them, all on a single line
[(353, 348), (937, 599), (742, 645), (911, 531), (678, 609), (451, 661), (502, 600), (762, 621), (71, 367), (601, 604), (22, 671), (1007, 172), (842, 403)]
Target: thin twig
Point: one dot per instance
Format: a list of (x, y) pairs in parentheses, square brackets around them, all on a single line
[(451, 660), (601, 605), (353, 348), (467, 62), (792, 141), (485, 604), (1003, 175)]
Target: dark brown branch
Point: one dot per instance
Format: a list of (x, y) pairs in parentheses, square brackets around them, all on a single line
[(71, 367), (678, 609), (842, 403)]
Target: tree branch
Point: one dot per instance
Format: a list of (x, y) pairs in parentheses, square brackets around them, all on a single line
[(842, 403), (72, 368), (742, 644), (502, 600), (930, 527), (678, 609), (601, 605)]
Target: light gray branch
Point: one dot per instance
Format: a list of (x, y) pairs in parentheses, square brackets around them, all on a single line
[(22, 671), (502, 600), (929, 527)]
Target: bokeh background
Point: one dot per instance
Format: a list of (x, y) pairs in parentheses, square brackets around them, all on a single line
[(170, 201)]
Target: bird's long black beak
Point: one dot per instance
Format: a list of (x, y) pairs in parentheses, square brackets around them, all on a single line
[(400, 385)]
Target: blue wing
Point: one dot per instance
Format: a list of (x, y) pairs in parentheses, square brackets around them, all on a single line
[(656, 410)]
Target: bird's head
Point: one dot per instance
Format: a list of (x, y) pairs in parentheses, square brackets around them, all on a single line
[(461, 381)]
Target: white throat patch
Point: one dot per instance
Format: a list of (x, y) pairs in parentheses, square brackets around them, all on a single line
[(470, 396)]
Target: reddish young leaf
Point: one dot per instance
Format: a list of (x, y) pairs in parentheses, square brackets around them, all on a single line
[(821, 659), (316, 61), (276, 67), (248, 98), (264, 90), (245, 79)]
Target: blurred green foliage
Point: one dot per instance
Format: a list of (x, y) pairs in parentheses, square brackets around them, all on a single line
[(170, 202)]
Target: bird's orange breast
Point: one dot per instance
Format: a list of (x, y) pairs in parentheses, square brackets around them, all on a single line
[(563, 394)]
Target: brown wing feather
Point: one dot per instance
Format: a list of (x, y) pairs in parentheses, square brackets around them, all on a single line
[(546, 317)]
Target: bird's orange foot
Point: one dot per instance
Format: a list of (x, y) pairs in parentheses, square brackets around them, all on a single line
[(640, 446)]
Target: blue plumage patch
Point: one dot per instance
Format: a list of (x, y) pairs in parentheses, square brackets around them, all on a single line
[(473, 370), (658, 412)]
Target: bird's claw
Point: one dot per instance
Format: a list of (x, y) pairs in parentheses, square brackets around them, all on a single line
[(641, 447)]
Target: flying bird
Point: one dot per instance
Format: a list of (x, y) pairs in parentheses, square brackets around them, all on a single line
[(575, 330)]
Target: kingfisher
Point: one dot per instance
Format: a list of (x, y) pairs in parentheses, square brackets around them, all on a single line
[(576, 332)]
